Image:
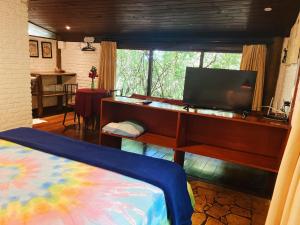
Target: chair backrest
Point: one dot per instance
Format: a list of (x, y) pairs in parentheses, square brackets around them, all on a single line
[(70, 93)]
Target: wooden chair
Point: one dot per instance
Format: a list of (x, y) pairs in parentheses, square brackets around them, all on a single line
[(69, 106)]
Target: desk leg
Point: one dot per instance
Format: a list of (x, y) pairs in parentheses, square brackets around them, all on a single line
[(59, 98), (179, 157), (40, 105)]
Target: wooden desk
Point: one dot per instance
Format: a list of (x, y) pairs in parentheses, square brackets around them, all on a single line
[(40, 93), (253, 141)]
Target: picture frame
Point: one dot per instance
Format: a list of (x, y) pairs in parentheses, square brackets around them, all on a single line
[(46, 49), (33, 48)]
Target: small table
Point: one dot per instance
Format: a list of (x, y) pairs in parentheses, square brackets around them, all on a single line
[(88, 103)]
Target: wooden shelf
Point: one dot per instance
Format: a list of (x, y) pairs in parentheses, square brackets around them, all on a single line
[(53, 74), (52, 93), (150, 138), (252, 142), (248, 159)]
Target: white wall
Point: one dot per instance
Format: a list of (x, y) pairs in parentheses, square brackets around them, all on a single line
[(288, 71), (79, 62), (41, 64), (15, 96), (73, 60)]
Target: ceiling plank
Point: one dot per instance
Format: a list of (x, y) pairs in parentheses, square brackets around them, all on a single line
[(243, 18)]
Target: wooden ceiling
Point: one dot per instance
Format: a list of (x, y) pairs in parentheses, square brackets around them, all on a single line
[(165, 19)]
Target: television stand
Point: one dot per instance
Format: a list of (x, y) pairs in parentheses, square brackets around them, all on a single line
[(252, 141)]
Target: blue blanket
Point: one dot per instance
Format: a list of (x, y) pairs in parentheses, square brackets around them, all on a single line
[(166, 175)]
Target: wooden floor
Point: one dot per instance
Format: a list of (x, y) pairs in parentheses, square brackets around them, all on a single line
[(220, 173)]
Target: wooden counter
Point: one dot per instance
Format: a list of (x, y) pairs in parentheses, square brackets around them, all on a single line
[(253, 141)]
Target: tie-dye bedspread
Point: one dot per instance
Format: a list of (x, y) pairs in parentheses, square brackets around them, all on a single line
[(37, 188)]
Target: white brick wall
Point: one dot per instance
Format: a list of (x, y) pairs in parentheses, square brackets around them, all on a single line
[(41, 64), (15, 96), (79, 62)]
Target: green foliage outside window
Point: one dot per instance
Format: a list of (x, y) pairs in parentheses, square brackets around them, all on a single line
[(168, 70), (132, 71), (215, 60)]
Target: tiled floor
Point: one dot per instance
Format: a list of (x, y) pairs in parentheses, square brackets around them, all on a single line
[(225, 193), (216, 205)]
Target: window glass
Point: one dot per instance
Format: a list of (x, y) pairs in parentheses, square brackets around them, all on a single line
[(132, 71), (35, 30), (169, 72), (222, 60)]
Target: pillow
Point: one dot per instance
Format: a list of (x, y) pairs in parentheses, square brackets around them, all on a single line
[(126, 129)]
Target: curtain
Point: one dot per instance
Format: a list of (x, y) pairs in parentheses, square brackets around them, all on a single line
[(285, 204), (254, 59), (107, 71)]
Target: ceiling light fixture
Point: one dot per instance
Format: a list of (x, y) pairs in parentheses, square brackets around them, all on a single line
[(68, 27), (268, 9)]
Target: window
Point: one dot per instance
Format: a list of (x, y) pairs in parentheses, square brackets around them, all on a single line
[(168, 71), (132, 71), (35, 30), (217, 60)]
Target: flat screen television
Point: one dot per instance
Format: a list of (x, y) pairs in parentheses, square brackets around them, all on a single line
[(230, 90)]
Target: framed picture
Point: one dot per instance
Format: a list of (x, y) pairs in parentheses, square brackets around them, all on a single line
[(46, 49), (34, 48)]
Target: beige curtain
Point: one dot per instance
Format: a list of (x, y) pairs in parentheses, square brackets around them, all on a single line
[(254, 59), (285, 204), (107, 71)]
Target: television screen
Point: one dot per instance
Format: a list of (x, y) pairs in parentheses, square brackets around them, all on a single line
[(230, 90)]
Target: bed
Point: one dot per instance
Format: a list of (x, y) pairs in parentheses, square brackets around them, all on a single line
[(48, 179)]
